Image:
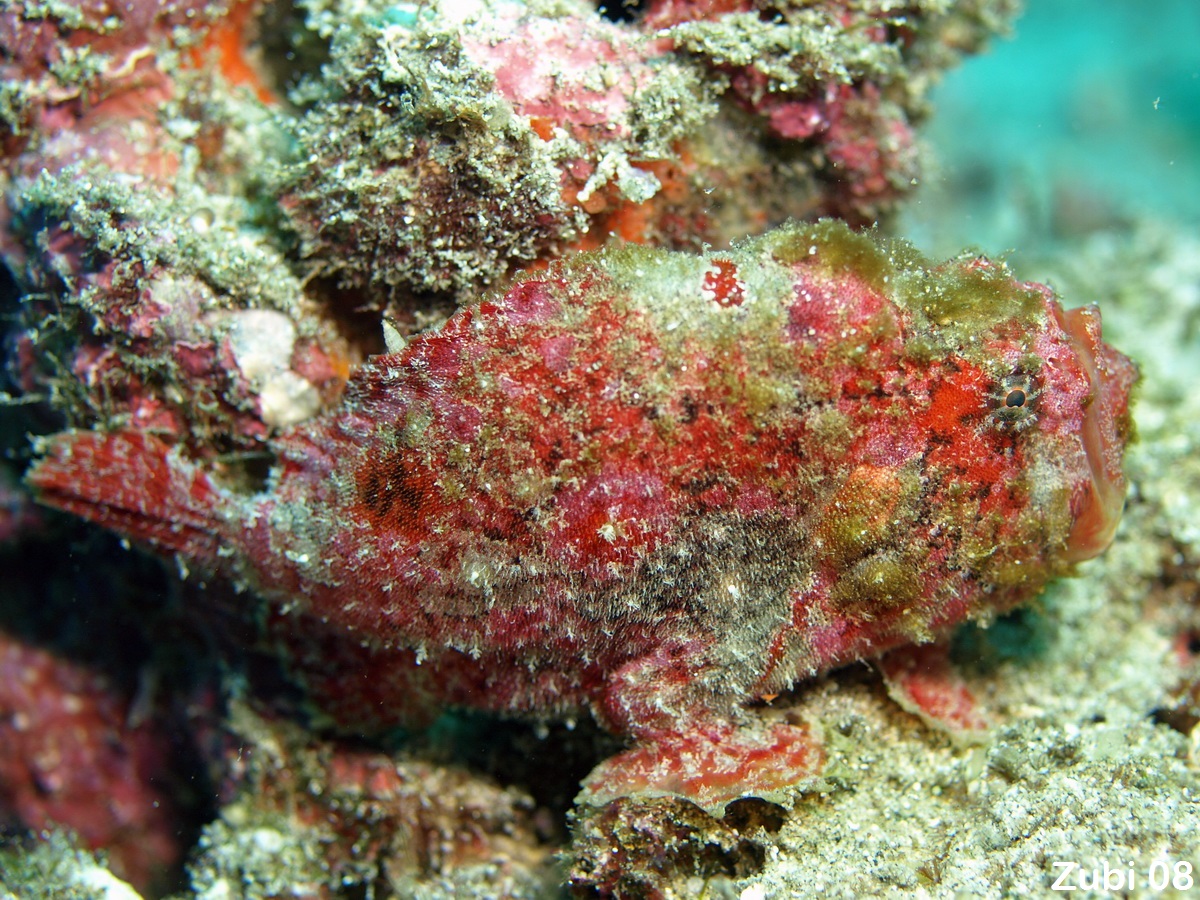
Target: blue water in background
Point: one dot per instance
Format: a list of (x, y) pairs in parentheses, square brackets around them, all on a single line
[(1088, 118)]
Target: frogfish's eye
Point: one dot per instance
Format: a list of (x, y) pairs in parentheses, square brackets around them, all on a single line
[(1014, 401), (1016, 397)]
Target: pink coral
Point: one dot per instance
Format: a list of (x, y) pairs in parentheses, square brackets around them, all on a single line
[(71, 755)]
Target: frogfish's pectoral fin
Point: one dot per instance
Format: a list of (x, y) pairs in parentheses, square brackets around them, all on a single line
[(136, 485)]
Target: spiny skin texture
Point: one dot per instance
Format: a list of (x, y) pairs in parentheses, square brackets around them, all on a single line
[(657, 486)]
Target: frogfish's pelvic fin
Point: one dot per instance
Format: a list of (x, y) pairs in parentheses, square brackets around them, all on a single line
[(924, 681), (711, 765)]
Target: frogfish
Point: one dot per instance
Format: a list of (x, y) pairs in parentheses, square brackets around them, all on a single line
[(656, 486)]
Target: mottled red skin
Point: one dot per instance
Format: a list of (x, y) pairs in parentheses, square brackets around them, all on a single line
[(71, 756), (613, 489)]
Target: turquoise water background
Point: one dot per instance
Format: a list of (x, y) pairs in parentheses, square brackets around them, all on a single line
[(1087, 118)]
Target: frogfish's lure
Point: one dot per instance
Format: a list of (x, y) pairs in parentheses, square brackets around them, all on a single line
[(656, 486)]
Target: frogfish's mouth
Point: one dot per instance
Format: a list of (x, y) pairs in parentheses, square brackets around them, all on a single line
[(1105, 430)]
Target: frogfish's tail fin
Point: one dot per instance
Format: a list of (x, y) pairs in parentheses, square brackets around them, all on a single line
[(136, 485)]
